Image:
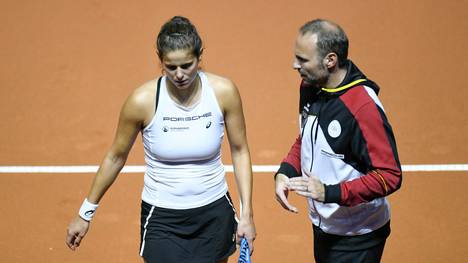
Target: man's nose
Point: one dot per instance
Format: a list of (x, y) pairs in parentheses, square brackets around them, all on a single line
[(296, 64)]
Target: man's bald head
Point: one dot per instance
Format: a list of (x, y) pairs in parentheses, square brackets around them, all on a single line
[(330, 38)]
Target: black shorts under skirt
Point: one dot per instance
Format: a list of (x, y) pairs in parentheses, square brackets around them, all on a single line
[(204, 234)]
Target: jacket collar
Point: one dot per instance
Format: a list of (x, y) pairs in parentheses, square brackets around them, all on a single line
[(354, 77)]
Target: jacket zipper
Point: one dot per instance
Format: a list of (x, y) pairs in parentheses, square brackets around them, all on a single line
[(313, 140)]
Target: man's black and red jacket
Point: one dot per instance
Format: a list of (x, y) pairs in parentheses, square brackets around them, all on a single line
[(346, 140)]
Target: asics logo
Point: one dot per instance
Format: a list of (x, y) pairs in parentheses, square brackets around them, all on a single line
[(89, 212)]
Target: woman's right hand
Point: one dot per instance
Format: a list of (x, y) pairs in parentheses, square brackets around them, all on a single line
[(77, 229)]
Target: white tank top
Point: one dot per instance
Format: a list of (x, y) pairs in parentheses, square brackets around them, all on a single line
[(183, 152)]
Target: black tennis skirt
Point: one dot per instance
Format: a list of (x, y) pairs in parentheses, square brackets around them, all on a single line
[(204, 234)]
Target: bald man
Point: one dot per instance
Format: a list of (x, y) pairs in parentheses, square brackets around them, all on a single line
[(345, 159)]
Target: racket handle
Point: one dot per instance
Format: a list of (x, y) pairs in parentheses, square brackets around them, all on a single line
[(244, 254)]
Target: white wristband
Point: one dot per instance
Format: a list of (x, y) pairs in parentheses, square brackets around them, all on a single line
[(87, 210)]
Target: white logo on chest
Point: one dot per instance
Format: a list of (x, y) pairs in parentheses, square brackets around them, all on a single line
[(334, 129)]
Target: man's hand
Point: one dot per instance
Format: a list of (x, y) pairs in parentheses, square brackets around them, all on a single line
[(308, 187), (76, 231), (282, 191)]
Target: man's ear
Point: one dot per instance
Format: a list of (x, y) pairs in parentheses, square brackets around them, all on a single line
[(330, 60)]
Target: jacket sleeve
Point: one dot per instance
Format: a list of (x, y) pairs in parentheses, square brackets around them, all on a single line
[(374, 146), (291, 164)]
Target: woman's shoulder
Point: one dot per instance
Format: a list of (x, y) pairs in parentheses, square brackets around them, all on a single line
[(225, 90), (149, 86), (220, 84), (141, 100), (144, 92)]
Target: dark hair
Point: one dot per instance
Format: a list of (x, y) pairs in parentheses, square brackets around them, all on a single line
[(178, 33), (330, 38)]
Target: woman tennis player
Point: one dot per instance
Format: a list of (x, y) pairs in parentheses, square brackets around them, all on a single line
[(186, 212)]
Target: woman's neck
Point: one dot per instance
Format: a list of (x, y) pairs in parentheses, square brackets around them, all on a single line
[(185, 97)]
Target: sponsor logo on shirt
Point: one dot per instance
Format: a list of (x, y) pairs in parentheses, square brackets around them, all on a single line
[(175, 129), (332, 155), (191, 118), (172, 119)]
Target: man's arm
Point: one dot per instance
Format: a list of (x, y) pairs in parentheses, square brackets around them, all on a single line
[(374, 143), (291, 164)]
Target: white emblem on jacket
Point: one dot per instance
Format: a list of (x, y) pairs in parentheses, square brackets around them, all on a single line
[(334, 129)]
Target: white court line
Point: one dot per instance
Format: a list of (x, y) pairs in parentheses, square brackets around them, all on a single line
[(229, 168)]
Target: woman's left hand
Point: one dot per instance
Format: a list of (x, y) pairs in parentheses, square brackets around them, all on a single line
[(246, 229)]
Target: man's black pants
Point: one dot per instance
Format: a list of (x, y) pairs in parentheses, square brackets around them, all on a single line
[(367, 248)]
